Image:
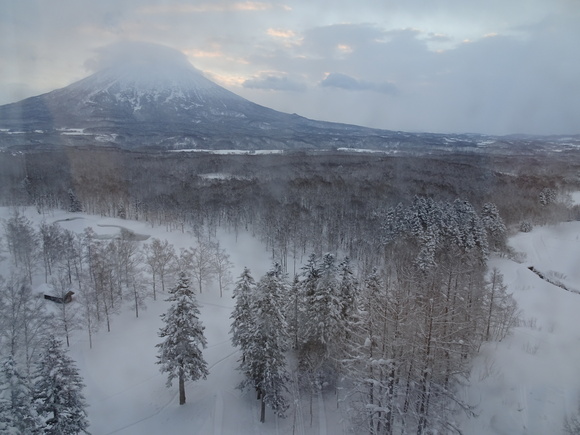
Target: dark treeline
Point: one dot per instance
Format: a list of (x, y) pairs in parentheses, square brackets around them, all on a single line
[(328, 201)]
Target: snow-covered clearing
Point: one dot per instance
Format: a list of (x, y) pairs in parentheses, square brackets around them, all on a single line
[(530, 381), (523, 385), (124, 388)]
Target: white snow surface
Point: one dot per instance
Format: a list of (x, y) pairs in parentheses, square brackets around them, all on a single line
[(523, 385), (228, 152), (528, 383)]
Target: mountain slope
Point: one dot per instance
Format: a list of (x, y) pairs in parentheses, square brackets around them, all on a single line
[(169, 103), (150, 96)]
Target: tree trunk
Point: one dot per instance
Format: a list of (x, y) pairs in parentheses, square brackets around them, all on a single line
[(181, 388), (154, 278), (136, 301), (262, 410)]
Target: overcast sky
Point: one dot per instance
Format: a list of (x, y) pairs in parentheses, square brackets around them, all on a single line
[(486, 66)]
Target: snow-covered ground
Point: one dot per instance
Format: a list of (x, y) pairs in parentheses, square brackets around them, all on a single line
[(530, 381), (124, 388), (523, 385), (228, 152)]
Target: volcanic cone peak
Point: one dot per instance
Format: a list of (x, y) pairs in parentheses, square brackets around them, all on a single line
[(144, 67), (150, 95), (148, 79)]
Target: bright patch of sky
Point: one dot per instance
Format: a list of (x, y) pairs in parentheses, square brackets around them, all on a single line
[(448, 66)]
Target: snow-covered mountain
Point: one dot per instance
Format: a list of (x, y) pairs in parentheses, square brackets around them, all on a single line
[(169, 103), (154, 98)]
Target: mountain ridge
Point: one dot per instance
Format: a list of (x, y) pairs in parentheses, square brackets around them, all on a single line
[(153, 98), (143, 102)]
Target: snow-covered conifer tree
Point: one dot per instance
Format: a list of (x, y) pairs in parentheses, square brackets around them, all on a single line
[(308, 285), (75, 205), (180, 354), (324, 306), (265, 364), (17, 413), (322, 324), (58, 392), (364, 350), (347, 289), (242, 316), (347, 318), (292, 311), (493, 224)]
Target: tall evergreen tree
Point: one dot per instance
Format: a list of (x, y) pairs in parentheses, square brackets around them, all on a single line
[(323, 306), (180, 354), (292, 310), (17, 413), (265, 363), (347, 288), (242, 316), (322, 324), (493, 224), (58, 392), (309, 283)]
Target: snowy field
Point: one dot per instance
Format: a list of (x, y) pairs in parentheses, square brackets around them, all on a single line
[(530, 381), (523, 385)]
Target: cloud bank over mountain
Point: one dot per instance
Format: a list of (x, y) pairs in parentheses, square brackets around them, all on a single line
[(483, 66)]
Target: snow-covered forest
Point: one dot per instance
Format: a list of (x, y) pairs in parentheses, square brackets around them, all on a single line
[(377, 305)]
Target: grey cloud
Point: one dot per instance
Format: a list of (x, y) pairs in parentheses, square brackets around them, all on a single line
[(524, 79), (437, 37), (500, 85), (274, 83), (324, 40), (343, 81), (133, 52)]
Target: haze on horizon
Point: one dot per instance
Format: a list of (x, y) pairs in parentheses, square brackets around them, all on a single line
[(490, 67)]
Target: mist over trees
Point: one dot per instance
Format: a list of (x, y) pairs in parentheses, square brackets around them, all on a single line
[(295, 202)]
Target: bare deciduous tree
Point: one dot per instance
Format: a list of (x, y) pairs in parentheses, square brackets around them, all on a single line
[(222, 267), (161, 258)]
